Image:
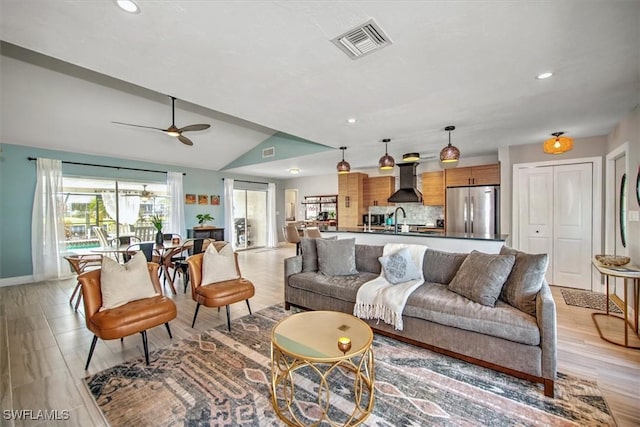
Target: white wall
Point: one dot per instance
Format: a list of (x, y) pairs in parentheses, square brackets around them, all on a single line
[(311, 186)]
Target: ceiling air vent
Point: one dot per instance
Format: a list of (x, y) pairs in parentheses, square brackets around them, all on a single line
[(362, 40), (268, 152)]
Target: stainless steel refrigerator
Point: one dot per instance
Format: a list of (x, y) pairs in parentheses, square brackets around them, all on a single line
[(473, 210)]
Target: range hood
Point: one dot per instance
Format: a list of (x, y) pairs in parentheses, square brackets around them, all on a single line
[(408, 193)]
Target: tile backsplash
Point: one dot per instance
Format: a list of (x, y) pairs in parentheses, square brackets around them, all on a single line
[(416, 212)]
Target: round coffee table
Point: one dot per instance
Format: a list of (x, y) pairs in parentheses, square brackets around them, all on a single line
[(306, 365)]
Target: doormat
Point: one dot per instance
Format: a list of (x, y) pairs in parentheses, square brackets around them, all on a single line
[(588, 299), (223, 378)]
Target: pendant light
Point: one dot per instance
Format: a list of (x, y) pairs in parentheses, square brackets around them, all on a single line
[(411, 157), (558, 144), (343, 166), (386, 162), (450, 153)]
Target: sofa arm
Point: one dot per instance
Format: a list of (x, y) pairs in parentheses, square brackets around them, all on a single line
[(546, 318), (292, 266)]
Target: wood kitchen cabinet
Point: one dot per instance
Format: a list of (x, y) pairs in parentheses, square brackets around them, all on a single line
[(474, 175), (433, 188), (377, 190), (351, 205)]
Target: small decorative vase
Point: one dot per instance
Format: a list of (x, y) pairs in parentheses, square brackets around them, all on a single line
[(159, 238)]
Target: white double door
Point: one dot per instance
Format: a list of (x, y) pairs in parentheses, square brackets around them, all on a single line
[(555, 212)]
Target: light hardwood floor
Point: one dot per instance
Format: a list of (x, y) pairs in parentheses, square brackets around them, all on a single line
[(44, 345)]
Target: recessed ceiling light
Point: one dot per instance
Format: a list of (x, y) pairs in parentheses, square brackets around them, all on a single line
[(351, 120), (544, 76), (128, 6), (294, 171)]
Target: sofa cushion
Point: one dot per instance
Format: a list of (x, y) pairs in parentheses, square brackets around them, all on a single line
[(343, 288), (367, 258), (525, 280), (337, 257), (399, 267), (436, 303), (441, 267), (310, 252), (481, 276)]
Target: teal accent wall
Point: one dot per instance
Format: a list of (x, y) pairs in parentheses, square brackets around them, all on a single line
[(18, 182), (286, 146)]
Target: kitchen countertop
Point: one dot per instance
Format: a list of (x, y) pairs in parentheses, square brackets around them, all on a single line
[(435, 233)]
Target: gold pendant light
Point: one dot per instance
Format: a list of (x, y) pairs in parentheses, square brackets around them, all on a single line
[(411, 157), (558, 144), (343, 166), (450, 153), (386, 162)]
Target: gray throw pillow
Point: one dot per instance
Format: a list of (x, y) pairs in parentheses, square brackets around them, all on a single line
[(310, 253), (337, 257), (399, 267), (525, 281), (481, 276), (441, 267)]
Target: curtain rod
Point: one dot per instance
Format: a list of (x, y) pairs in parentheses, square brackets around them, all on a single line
[(249, 182), (108, 166)]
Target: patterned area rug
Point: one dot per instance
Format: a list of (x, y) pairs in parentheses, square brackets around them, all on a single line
[(587, 299), (221, 378)]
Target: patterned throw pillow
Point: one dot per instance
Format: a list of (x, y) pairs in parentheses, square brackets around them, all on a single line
[(218, 266), (123, 283), (399, 267)]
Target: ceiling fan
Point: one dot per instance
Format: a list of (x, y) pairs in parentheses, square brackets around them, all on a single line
[(173, 130)]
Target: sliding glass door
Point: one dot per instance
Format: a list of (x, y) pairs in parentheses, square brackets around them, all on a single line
[(249, 218), (118, 208)]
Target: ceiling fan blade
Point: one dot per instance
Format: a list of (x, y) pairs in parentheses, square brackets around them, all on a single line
[(138, 126), (195, 127), (185, 140)]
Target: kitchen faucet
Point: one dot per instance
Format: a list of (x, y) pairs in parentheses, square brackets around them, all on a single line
[(395, 216)]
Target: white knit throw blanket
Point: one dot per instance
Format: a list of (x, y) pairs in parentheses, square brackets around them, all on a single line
[(379, 299)]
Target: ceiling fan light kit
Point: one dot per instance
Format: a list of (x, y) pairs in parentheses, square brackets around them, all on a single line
[(173, 130), (558, 144), (386, 162), (343, 166), (450, 153)]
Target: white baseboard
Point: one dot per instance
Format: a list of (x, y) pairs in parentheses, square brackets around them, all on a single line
[(12, 281)]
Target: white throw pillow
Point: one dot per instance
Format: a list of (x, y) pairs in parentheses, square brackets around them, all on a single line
[(218, 266), (121, 284)]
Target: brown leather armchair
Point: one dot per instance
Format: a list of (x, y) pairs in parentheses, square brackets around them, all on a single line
[(217, 294), (127, 319)]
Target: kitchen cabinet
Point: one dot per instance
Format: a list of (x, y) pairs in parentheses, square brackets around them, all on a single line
[(351, 205), (377, 190), (474, 175), (433, 188)]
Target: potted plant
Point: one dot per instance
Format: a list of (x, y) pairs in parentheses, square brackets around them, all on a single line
[(203, 218), (157, 222)]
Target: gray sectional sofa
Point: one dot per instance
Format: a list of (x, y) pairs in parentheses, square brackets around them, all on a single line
[(502, 337)]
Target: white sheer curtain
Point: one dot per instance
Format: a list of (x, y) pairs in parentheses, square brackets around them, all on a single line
[(228, 211), (272, 233), (175, 222), (128, 206), (47, 223)]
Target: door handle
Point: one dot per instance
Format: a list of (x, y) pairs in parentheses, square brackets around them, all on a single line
[(471, 213)]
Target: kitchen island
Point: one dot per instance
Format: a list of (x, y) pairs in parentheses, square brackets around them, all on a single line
[(450, 242)]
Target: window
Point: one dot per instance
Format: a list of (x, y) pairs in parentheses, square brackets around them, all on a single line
[(90, 202)]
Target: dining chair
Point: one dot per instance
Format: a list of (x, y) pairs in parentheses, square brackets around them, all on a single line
[(189, 247), (80, 264), (312, 232), (291, 235)]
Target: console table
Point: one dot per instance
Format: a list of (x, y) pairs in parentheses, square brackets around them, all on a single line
[(206, 232), (631, 276)]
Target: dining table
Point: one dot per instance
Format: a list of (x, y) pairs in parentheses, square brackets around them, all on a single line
[(164, 251)]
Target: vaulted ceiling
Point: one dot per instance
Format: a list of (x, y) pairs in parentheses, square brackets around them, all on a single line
[(252, 69)]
